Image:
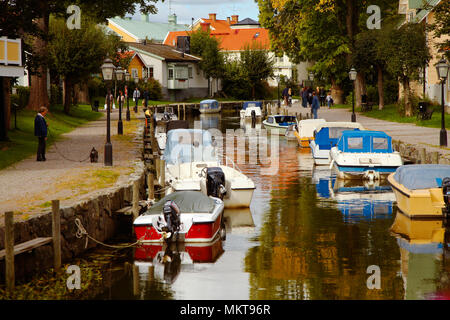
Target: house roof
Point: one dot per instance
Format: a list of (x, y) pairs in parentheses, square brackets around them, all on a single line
[(140, 30), (163, 52), (230, 39), (247, 21)]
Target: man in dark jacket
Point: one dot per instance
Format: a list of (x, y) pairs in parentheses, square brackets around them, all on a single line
[(40, 131), (315, 105)]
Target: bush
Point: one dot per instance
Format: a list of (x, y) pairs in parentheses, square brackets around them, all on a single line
[(96, 87), (21, 97), (153, 87), (55, 95)]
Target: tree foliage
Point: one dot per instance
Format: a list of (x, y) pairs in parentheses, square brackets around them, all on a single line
[(441, 27)]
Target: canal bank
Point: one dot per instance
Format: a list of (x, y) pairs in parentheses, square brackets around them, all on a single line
[(94, 201)]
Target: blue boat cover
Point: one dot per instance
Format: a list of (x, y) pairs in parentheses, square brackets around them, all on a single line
[(285, 121), (422, 176), (362, 141), (188, 145), (251, 104), (328, 137), (209, 104)]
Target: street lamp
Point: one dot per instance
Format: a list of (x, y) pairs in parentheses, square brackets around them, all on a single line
[(278, 92), (127, 79), (107, 73), (136, 81), (442, 71), (119, 76), (311, 78), (352, 74)]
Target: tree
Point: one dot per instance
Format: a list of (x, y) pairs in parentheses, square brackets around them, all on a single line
[(75, 54), (256, 66), (441, 27), (405, 52), (207, 47)]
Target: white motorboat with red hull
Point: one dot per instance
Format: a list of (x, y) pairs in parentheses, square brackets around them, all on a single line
[(200, 219)]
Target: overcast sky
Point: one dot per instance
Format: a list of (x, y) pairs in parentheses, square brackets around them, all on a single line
[(188, 9)]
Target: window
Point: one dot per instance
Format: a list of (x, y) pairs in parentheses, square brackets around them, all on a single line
[(181, 73), (150, 72), (170, 74), (190, 72), (270, 120), (336, 133), (355, 143), (134, 73), (380, 144)]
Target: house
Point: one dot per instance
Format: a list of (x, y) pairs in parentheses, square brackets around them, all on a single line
[(139, 30), (430, 85), (234, 35), (178, 72)]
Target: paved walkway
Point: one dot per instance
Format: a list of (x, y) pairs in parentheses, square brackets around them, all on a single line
[(29, 186), (409, 133)]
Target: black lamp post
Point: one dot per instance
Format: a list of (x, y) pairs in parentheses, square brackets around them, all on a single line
[(119, 76), (442, 71), (136, 81), (352, 74), (127, 79), (278, 92), (108, 72)]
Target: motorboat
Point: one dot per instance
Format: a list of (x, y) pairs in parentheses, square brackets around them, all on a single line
[(278, 124), (364, 154), (326, 136), (192, 163), (305, 131), (209, 106), (422, 190), (251, 109), (162, 127), (164, 113), (199, 219), (164, 262)]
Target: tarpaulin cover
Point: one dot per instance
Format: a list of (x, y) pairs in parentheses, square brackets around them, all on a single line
[(251, 104), (422, 176), (187, 201)]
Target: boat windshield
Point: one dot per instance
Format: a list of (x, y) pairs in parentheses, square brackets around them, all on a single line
[(284, 119)]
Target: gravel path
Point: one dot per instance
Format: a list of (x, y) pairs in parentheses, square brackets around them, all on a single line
[(29, 186)]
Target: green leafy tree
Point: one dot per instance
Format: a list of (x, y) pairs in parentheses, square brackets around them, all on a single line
[(75, 54), (405, 52), (441, 27), (208, 48)]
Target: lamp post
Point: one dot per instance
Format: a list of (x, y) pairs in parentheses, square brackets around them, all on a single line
[(127, 79), (136, 81), (278, 92), (352, 74), (119, 76), (442, 71), (107, 73)]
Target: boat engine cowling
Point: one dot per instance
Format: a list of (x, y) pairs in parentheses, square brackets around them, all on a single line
[(446, 194), (171, 214), (215, 182)]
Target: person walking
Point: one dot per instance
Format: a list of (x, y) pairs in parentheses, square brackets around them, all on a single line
[(322, 97), (40, 131), (289, 97), (310, 96), (315, 104), (304, 98), (329, 100), (284, 95), (146, 98), (136, 96)]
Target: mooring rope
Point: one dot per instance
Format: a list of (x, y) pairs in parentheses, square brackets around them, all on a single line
[(82, 232)]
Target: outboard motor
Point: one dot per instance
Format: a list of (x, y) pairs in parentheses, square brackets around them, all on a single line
[(171, 214), (446, 194), (215, 182), (253, 119)]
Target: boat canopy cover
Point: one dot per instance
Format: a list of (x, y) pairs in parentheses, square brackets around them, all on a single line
[(251, 104), (209, 104), (187, 202), (284, 121), (188, 145), (306, 127), (328, 134), (422, 176), (362, 141)]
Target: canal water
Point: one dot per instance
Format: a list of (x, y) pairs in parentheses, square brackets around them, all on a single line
[(305, 236)]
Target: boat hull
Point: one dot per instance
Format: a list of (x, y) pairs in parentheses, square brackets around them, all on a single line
[(303, 142), (217, 110), (418, 204), (321, 157), (275, 129)]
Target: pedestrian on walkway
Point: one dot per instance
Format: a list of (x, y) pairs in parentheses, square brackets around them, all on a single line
[(285, 95), (121, 98), (304, 98), (111, 101), (329, 100), (136, 96), (315, 104), (40, 131), (322, 97), (310, 96), (289, 97), (146, 98)]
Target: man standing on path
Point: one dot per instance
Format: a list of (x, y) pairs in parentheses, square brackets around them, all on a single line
[(315, 104), (40, 131), (136, 96)]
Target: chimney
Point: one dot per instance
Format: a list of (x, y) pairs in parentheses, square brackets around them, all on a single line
[(212, 16), (205, 26), (228, 20), (235, 19)]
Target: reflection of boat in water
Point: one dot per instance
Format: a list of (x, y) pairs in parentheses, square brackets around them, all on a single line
[(421, 248), (251, 128), (418, 189), (305, 160), (238, 220), (209, 121), (165, 262)]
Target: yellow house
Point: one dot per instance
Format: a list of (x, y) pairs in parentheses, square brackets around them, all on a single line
[(430, 84), (11, 57)]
